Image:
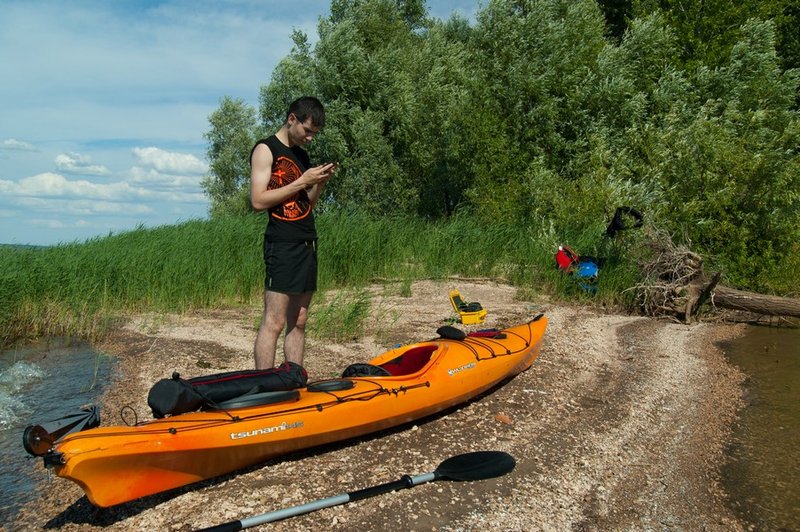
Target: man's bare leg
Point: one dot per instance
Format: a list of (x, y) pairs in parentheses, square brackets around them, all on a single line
[(296, 317), (272, 322)]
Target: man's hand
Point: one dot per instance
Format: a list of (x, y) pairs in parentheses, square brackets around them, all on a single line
[(318, 174)]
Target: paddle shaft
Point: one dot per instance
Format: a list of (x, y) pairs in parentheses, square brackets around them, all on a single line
[(405, 482)]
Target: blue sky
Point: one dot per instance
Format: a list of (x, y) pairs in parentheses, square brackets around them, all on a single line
[(103, 104)]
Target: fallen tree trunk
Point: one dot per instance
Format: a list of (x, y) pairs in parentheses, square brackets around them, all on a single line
[(731, 298), (676, 284)]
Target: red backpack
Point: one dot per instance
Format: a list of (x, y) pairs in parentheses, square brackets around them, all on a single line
[(566, 258)]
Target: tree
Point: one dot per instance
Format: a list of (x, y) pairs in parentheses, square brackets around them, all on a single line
[(293, 77), (537, 68), (726, 162), (708, 30), (232, 135), (617, 14), (394, 83)]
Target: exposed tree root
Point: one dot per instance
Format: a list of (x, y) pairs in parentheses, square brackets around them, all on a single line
[(676, 285)]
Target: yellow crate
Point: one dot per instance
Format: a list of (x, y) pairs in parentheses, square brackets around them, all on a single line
[(468, 313)]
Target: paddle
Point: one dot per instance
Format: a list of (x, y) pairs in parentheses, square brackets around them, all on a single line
[(478, 465)]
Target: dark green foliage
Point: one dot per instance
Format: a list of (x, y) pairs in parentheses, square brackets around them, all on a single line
[(788, 41), (707, 30), (617, 13), (550, 114), (725, 161)]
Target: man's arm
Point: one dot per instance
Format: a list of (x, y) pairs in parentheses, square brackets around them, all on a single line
[(260, 173)]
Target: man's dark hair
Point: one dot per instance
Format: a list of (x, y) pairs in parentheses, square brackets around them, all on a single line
[(308, 107)]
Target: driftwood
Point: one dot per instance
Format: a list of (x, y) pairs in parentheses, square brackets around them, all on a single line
[(676, 285), (674, 282), (752, 302)]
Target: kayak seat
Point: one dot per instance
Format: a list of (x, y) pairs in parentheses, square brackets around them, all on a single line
[(364, 370), (411, 361), (463, 306)]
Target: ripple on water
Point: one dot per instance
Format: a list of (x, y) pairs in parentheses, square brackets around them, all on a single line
[(13, 379), (39, 385)]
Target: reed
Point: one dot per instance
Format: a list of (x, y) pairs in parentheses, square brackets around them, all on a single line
[(340, 315), (80, 289)]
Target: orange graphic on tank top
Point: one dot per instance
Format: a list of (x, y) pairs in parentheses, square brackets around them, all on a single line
[(297, 206)]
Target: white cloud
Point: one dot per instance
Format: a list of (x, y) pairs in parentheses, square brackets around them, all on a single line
[(49, 224), (52, 223), (85, 207), (170, 162), (152, 177), (75, 163), (51, 185), (18, 145)]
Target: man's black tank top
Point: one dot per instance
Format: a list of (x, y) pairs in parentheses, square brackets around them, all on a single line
[(292, 220)]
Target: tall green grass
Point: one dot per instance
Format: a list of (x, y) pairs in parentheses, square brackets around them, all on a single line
[(79, 289), (76, 289)]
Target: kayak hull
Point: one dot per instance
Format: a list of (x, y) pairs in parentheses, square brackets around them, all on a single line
[(114, 465)]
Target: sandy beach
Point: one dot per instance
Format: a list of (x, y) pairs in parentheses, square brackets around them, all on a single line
[(620, 424)]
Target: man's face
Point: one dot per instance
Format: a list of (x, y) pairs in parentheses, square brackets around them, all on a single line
[(301, 133)]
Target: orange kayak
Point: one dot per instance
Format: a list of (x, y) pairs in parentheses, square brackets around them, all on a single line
[(117, 464)]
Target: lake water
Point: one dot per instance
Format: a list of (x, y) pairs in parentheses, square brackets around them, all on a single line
[(39, 384), (763, 472)]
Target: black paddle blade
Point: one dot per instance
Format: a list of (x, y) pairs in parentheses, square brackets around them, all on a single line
[(478, 465)]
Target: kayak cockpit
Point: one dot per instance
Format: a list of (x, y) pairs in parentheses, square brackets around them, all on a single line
[(398, 364), (411, 361)]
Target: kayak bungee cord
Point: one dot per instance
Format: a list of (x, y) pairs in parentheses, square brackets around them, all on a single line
[(526, 341), (471, 341)]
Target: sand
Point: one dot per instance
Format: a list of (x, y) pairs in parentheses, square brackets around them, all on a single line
[(620, 424)]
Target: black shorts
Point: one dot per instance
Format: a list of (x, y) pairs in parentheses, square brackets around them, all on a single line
[(291, 266)]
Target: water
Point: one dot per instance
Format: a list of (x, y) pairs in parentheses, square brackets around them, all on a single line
[(763, 471), (38, 384)]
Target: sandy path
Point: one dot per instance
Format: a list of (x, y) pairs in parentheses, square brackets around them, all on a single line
[(620, 424)]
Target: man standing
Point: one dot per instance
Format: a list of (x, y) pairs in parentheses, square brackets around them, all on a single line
[(283, 183)]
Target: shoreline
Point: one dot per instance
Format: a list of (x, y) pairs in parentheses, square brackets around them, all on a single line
[(622, 422)]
